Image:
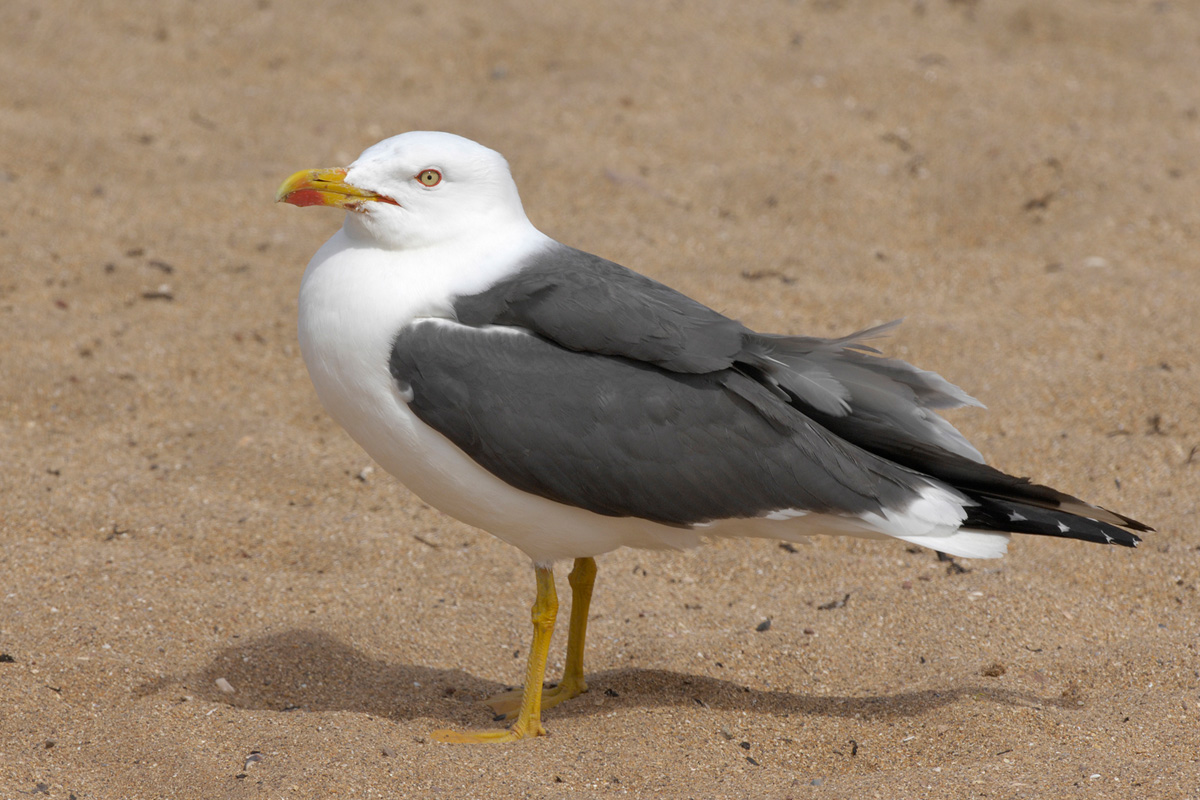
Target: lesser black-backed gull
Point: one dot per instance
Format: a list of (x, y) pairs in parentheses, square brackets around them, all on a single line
[(571, 406)]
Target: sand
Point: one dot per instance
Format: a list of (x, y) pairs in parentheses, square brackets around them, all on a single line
[(180, 518)]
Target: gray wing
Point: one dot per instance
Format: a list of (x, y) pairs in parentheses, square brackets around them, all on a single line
[(862, 407), (624, 438), (589, 304)]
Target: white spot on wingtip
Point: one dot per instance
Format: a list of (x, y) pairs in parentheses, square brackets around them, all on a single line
[(1013, 516), (1062, 526), (785, 514)]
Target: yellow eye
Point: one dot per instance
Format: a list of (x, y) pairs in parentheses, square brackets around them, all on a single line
[(429, 177)]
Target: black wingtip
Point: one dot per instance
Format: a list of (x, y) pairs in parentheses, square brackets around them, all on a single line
[(1012, 517)]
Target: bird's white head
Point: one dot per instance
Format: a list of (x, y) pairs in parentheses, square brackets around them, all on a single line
[(418, 189)]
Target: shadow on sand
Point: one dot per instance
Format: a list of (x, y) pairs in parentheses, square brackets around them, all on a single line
[(307, 670)]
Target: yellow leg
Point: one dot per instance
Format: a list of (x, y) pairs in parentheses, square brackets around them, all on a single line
[(582, 579), (529, 720)]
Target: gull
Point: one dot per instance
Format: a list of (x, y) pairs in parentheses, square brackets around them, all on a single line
[(571, 406)]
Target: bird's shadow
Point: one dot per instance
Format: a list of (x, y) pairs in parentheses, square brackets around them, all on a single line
[(306, 670)]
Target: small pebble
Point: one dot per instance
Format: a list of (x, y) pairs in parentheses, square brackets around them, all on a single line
[(225, 686), (163, 292)]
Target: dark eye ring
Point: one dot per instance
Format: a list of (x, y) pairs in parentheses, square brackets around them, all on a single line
[(429, 177)]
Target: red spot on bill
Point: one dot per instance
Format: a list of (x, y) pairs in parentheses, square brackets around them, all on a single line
[(308, 197)]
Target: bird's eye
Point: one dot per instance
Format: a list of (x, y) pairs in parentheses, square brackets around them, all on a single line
[(429, 177)]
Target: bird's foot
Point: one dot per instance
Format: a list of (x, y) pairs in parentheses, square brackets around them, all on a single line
[(508, 704), (517, 731)]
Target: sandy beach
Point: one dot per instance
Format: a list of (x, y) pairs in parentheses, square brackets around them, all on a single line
[(207, 590)]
